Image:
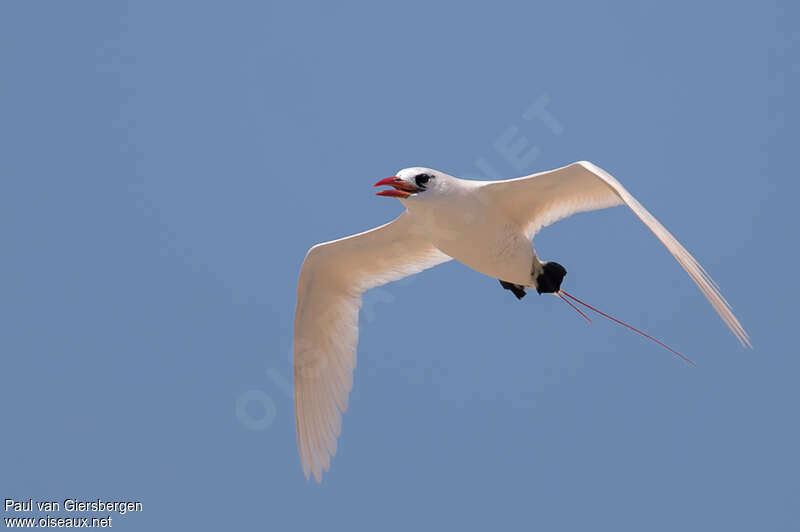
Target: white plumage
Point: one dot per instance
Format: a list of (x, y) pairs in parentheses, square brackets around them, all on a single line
[(487, 225)]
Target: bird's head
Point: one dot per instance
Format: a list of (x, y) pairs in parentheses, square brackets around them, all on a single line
[(416, 182)]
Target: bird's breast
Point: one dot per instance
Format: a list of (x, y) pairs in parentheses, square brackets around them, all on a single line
[(475, 235)]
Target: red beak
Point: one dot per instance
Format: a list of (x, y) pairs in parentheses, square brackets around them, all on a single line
[(402, 189)]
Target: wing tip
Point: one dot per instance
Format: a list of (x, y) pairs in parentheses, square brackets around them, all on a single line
[(744, 339)]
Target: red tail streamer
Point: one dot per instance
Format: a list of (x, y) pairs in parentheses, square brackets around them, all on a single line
[(626, 325), (571, 304)]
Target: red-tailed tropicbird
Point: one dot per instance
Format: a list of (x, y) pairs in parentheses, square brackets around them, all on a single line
[(486, 225)]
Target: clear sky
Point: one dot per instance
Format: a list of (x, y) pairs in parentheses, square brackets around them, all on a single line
[(166, 165)]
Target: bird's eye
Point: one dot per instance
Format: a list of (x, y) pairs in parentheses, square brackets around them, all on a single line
[(422, 179)]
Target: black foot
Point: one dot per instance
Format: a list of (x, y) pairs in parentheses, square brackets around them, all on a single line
[(516, 289), (549, 280)]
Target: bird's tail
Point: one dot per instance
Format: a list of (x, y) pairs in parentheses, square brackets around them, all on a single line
[(562, 293)]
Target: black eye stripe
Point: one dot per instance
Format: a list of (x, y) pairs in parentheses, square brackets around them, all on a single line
[(421, 179)]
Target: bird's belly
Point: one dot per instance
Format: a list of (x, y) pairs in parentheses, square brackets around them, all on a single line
[(493, 247)]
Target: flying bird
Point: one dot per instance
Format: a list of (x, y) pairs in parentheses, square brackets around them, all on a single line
[(486, 225)]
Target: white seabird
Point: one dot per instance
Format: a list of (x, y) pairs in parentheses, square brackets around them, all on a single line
[(486, 225)]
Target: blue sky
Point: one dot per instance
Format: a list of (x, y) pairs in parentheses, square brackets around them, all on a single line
[(165, 167)]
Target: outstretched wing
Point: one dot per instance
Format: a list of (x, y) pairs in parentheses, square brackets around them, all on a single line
[(542, 199), (332, 279)]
